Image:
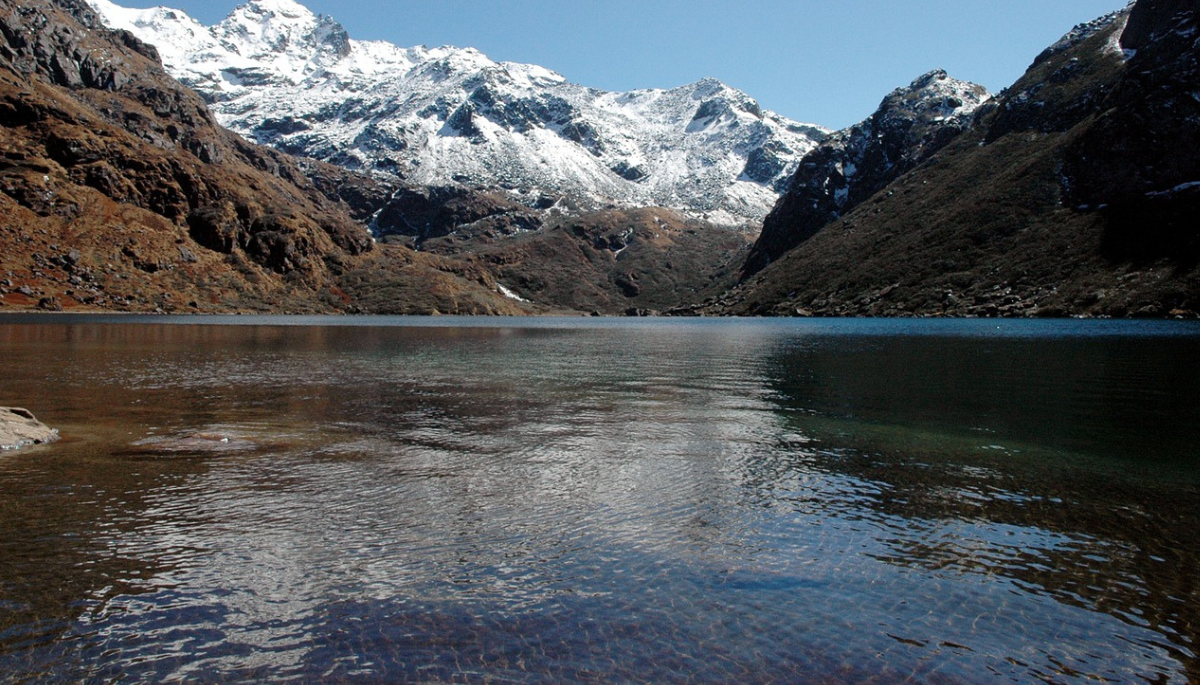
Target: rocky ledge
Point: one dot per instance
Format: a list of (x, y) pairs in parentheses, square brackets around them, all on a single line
[(19, 428)]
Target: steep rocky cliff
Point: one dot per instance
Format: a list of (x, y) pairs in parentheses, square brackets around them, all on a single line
[(1140, 161), (118, 190), (1074, 193)]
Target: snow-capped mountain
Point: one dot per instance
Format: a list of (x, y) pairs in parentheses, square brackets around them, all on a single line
[(280, 75)]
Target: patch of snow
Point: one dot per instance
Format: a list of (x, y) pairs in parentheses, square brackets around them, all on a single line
[(510, 294), (1113, 45)]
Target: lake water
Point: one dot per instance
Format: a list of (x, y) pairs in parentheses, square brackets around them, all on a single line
[(513, 500)]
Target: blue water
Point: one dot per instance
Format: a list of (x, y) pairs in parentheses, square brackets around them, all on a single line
[(548, 500)]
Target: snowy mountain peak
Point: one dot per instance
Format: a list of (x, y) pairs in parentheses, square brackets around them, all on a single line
[(938, 94), (281, 75), (708, 87), (286, 8), (285, 35), (272, 25)]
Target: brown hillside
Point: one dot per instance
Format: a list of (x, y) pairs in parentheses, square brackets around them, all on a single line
[(119, 192), (633, 262)]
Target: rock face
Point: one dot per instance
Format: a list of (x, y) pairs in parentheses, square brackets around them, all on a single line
[(422, 213), (850, 166), (1074, 193), (280, 75), (19, 428)]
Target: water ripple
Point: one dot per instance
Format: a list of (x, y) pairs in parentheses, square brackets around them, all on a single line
[(667, 504)]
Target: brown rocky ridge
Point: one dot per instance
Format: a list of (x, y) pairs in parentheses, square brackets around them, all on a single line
[(119, 192)]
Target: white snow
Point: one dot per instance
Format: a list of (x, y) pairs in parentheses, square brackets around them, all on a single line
[(435, 115), (510, 294), (1113, 44)]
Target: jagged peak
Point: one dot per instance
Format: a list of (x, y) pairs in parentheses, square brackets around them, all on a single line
[(928, 78), (282, 27), (287, 8), (268, 17), (707, 87), (937, 93), (937, 80)]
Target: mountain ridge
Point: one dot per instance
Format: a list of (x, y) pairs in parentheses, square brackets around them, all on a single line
[(1072, 193), (281, 75)]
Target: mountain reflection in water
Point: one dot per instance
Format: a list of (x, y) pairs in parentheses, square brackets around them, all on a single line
[(547, 500)]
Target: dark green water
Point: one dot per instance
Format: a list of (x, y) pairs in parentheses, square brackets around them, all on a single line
[(453, 500)]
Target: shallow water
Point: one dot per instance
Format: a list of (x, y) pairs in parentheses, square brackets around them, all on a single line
[(547, 500)]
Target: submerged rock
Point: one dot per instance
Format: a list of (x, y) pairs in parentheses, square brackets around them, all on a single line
[(195, 442), (19, 428)]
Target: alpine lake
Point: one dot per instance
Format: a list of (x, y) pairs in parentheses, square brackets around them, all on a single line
[(350, 499)]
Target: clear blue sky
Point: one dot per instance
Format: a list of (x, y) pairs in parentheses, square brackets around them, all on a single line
[(828, 62)]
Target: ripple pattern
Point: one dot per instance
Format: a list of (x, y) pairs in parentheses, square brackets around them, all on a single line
[(653, 502)]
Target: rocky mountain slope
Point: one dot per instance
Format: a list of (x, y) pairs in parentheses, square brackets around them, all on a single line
[(850, 166), (620, 261), (614, 261), (118, 190), (279, 75), (1074, 193)]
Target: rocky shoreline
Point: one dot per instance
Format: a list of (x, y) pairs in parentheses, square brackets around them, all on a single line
[(19, 428)]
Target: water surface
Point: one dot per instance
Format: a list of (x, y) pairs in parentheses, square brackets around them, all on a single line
[(482, 500)]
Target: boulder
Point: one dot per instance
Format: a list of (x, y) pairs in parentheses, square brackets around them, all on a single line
[(19, 428)]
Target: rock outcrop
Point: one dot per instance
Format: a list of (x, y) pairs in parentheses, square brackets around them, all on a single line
[(19, 428), (614, 261), (422, 213)]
